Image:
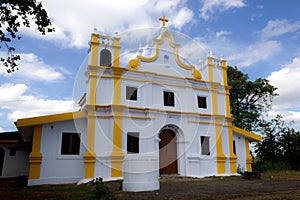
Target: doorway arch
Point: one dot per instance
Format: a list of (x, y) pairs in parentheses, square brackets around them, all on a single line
[(2, 154), (168, 152)]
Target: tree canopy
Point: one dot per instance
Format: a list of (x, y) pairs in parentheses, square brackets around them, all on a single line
[(280, 146), (13, 15), (248, 99)]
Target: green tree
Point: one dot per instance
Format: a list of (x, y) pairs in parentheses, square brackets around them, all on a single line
[(280, 146), (248, 99), (13, 15)]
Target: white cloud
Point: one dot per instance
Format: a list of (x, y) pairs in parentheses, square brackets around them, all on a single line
[(34, 68), (20, 105), (256, 52), (212, 6), (279, 27), (183, 17), (288, 83), (222, 33), (75, 23)]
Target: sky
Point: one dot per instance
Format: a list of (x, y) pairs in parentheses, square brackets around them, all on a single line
[(260, 37)]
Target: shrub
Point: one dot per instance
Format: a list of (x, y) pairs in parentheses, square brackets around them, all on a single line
[(101, 189)]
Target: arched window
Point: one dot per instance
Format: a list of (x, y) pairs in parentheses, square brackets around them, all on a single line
[(166, 59), (105, 58)]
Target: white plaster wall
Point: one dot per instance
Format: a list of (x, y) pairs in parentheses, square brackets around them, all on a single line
[(240, 150), (57, 168), (104, 90), (103, 146), (17, 165), (218, 75), (222, 103)]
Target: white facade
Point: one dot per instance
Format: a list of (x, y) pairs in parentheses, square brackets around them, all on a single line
[(198, 138)]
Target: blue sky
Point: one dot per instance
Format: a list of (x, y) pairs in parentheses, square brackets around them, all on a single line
[(261, 37)]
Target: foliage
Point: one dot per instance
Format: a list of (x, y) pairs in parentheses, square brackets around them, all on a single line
[(248, 99), (101, 189), (13, 15), (279, 148)]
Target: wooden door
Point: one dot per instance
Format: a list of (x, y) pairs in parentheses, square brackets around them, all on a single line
[(167, 152)]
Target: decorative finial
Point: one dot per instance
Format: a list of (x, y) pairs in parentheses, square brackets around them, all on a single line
[(164, 20)]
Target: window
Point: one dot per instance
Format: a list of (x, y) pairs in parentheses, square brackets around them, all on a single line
[(70, 144), (132, 142), (105, 58), (166, 59), (205, 145), (169, 99), (202, 102), (234, 149), (131, 93)]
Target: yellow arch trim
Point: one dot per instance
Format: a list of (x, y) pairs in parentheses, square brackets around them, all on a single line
[(134, 63)]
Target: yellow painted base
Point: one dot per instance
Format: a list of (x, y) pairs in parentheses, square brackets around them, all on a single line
[(221, 159), (249, 165), (116, 164), (89, 160), (35, 161), (233, 164)]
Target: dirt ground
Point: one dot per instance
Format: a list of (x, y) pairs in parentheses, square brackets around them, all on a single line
[(269, 187), (220, 188)]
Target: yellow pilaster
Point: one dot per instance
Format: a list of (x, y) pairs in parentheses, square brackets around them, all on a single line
[(224, 68), (94, 49), (232, 157), (210, 69), (117, 154), (116, 52), (248, 156), (221, 158), (215, 105), (35, 157), (90, 155)]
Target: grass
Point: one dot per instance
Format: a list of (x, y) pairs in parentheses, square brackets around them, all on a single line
[(281, 175), (84, 191)]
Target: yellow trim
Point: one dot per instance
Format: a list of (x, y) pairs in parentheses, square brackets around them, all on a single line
[(224, 67), (215, 105), (35, 157), (50, 118), (232, 156), (248, 134), (210, 69), (117, 154), (90, 155), (248, 156), (94, 49), (221, 158), (134, 63), (160, 110), (116, 52)]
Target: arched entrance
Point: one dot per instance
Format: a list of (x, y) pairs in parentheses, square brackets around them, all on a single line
[(1, 160), (167, 152)]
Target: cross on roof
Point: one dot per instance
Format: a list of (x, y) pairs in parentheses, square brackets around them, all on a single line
[(164, 20)]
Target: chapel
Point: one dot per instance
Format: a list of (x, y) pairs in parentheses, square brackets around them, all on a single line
[(158, 108)]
